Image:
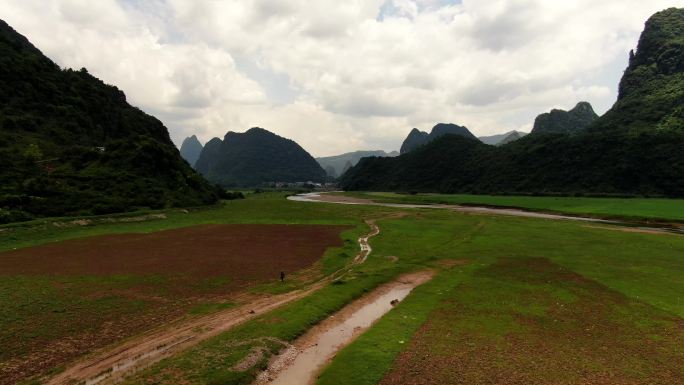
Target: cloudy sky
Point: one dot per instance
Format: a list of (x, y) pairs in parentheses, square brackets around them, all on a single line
[(339, 76)]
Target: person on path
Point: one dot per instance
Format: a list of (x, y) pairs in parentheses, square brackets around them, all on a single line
[(282, 276)]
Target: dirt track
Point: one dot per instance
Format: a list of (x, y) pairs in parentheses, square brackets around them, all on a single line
[(170, 272), (112, 365)]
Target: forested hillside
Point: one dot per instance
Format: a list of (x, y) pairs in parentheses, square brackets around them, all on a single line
[(71, 144), (254, 157)]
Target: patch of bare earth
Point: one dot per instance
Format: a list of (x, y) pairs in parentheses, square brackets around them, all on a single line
[(632, 230), (212, 263), (449, 263), (342, 199), (528, 321)]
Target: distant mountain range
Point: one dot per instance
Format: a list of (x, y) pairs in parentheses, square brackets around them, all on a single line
[(635, 148), (71, 144), (190, 149), (565, 122), (255, 157), (498, 140), (337, 165), (417, 138)]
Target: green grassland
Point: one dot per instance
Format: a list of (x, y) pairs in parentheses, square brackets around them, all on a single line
[(263, 208), (646, 269), (628, 208), (640, 277), (37, 310)]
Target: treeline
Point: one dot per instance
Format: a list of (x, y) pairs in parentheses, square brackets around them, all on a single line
[(646, 164)]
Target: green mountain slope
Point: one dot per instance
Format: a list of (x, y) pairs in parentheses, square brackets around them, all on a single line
[(651, 94), (417, 138), (255, 157), (560, 121), (636, 148), (70, 144), (646, 164)]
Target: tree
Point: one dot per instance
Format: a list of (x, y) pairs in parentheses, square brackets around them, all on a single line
[(33, 152)]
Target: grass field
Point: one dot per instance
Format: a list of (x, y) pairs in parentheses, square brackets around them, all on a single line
[(603, 303), (57, 302), (645, 269), (630, 208), (536, 298)]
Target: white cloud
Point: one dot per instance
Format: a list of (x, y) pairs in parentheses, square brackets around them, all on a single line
[(342, 75)]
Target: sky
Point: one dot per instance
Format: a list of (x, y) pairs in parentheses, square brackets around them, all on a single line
[(340, 76)]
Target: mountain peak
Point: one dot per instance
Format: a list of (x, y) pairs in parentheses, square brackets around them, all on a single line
[(449, 128), (414, 139), (583, 107), (417, 138), (190, 149), (560, 121), (652, 89), (254, 157)]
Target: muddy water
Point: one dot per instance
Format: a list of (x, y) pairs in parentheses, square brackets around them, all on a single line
[(316, 197), (300, 363)]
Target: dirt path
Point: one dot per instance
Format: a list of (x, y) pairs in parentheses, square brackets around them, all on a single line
[(364, 244), (301, 362), (112, 365)]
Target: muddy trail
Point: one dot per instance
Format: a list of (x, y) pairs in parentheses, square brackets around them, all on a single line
[(302, 361), (112, 365), (644, 227)]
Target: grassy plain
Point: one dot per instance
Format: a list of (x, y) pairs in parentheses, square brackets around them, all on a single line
[(645, 269), (628, 208), (529, 285), (49, 318), (517, 277)]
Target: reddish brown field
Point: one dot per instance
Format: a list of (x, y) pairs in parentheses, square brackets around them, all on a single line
[(245, 252), (75, 296)]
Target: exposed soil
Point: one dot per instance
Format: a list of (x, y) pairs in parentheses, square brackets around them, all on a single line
[(244, 252), (111, 364), (322, 197), (528, 321), (343, 199), (237, 256), (633, 230)]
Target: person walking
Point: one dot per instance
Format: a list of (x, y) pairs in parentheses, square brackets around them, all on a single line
[(282, 276)]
